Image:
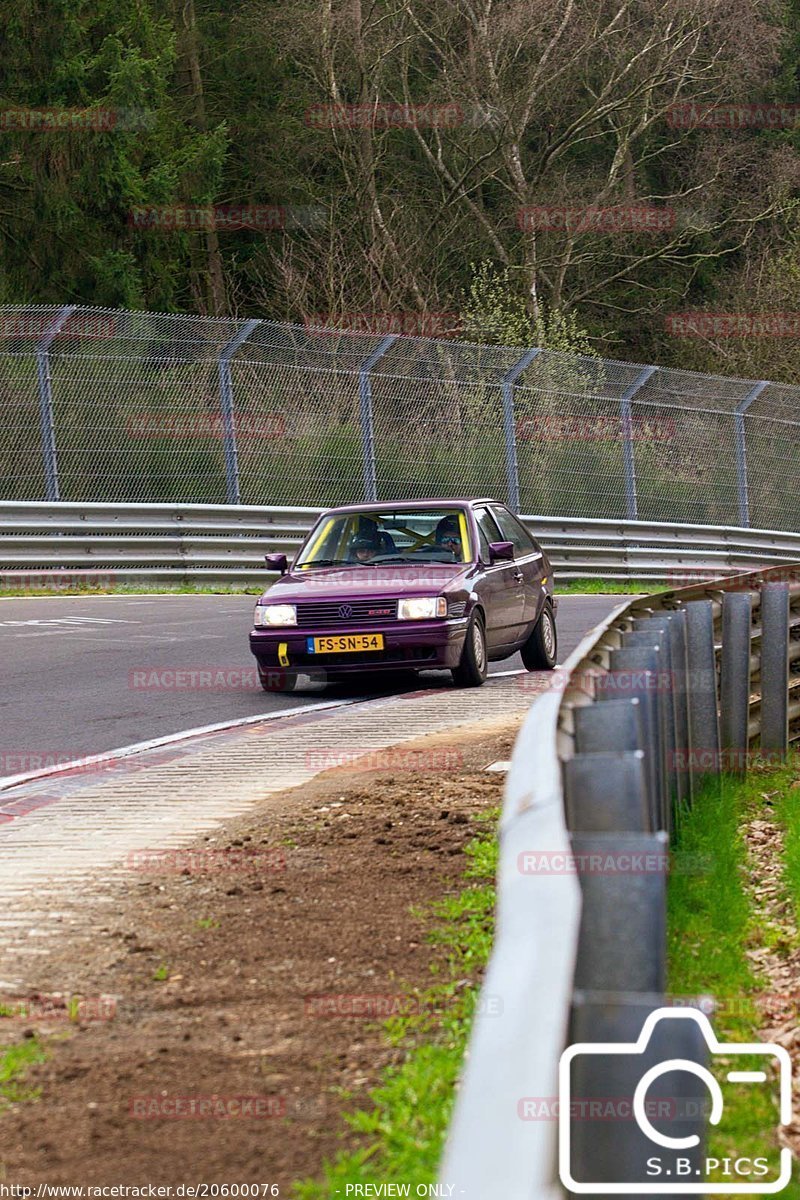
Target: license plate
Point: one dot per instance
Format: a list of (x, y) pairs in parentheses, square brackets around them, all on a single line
[(345, 643)]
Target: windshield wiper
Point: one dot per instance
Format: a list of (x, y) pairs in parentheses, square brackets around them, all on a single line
[(421, 560)]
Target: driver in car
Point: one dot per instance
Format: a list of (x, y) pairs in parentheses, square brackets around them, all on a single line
[(362, 549), (448, 536)]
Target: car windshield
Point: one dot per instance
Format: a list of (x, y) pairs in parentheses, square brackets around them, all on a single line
[(387, 538)]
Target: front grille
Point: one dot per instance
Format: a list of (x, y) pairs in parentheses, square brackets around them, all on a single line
[(346, 612)]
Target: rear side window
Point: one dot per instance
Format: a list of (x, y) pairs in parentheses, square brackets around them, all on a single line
[(487, 531), (513, 531)]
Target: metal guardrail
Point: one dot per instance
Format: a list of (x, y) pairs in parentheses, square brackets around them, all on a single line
[(668, 690), (220, 542)]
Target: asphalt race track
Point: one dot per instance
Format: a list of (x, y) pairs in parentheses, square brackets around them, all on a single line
[(72, 669)]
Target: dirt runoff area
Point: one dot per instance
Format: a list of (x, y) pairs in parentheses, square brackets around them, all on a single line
[(229, 991)]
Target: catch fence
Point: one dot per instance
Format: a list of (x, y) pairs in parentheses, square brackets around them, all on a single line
[(114, 406)]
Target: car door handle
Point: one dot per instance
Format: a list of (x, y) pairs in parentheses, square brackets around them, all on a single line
[(518, 576)]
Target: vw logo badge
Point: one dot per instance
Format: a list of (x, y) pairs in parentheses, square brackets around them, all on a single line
[(345, 611)]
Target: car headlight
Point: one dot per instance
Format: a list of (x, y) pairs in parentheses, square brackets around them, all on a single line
[(421, 608), (275, 614)]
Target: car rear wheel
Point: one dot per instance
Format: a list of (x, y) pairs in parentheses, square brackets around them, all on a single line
[(276, 679), (474, 665), (540, 651)]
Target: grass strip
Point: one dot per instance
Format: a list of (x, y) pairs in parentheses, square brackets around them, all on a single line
[(609, 587), (14, 1063), (401, 1133), (786, 810), (626, 587), (713, 919)]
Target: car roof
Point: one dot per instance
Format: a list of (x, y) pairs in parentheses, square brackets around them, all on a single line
[(391, 505)]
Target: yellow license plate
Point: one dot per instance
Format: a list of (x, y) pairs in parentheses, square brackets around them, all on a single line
[(345, 643)]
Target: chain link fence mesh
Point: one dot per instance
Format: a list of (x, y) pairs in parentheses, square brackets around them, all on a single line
[(105, 405)]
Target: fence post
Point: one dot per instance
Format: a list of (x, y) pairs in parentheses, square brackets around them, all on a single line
[(365, 407), (232, 491), (46, 421), (741, 452), (509, 428), (626, 415)]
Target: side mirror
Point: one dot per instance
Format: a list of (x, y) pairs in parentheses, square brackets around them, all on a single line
[(276, 562), (501, 551)]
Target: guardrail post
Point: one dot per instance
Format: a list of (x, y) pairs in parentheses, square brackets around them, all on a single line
[(46, 421), (673, 624), (232, 490), (602, 1151), (634, 672), (622, 945), (741, 452), (366, 415), (735, 679), (605, 792), (775, 669), (650, 631), (509, 425), (703, 710), (626, 416)]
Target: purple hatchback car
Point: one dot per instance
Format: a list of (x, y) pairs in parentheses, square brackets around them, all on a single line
[(407, 586)]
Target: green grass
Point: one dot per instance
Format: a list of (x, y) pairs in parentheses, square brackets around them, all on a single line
[(140, 589), (786, 810), (713, 919), (401, 1132), (621, 587), (14, 1063), (609, 587)]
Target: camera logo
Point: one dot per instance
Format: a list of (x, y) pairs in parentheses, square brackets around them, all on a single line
[(668, 1163)]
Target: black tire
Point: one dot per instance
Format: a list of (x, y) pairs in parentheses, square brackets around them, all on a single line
[(474, 665), (541, 649), (276, 679)]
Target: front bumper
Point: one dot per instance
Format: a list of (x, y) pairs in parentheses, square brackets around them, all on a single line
[(408, 645)]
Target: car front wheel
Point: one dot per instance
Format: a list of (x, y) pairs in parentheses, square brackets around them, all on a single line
[(540, 650), (474, 665), (276, 679)]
